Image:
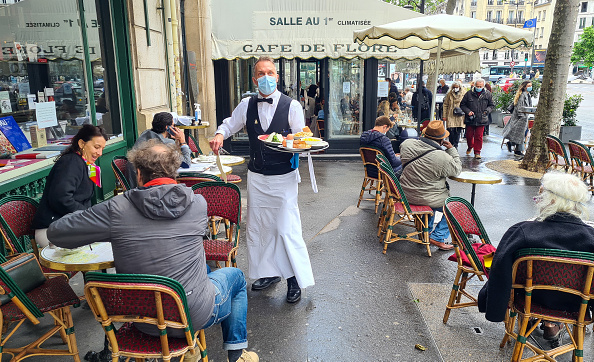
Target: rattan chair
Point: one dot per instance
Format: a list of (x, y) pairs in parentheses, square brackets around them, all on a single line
[(119, 165), (223, 200), (193, 144), (547, 270), (150, 299), (557, 153), (464, 221), (50, 295), (372, 180), (506, 120), (399, 211), (16, 227), (581, 162)]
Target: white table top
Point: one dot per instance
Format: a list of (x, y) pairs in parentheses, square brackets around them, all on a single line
[(205, 167), (477, 178), (89, 257)]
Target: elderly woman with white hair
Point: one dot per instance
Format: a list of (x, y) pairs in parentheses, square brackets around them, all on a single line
[(561, 206)]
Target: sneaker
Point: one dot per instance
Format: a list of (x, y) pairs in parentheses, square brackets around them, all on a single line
[(477, 157), (248, 357), (468, 151)]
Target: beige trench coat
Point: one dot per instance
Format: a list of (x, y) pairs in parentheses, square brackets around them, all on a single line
[(451, 101)]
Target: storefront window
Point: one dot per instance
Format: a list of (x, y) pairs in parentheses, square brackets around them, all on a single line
[(43, 60), (345, 98)]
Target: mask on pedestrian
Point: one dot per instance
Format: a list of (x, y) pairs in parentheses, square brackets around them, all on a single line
[(266, 84), (528, 89), (456, 90), (478, 89)]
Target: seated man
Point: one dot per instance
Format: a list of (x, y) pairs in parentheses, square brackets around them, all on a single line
[(425, 169), (561, 205), (163, 130), (376, 137), (158, 229)]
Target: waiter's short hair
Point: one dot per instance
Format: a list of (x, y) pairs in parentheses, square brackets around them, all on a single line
[(263, 58), (155, 159), (383, 121), (160, 122)]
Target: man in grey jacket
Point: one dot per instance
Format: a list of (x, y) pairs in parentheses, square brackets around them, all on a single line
[(158, 229), (425, 168)]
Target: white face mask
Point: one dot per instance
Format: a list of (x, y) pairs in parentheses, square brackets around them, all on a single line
[(456, 90)]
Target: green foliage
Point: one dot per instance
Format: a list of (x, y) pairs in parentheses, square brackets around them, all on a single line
[(430, 5), (570, 109), (503, 100), (583, 50)]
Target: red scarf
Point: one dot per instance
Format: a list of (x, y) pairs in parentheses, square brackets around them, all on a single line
[(161, 181)]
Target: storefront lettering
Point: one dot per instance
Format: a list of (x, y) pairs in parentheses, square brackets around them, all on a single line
[(354, 22), (294, 21), (49, 50), (318, 48), (42, 25), (248, 48)]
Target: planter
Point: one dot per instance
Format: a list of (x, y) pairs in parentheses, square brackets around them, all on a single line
[(568, 133), (497, 118)]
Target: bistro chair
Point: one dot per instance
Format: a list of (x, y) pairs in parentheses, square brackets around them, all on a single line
[(557, 154), (193, 180), (193, 144), (381, 158), (506, 120), (399, 211), (320, 123), (371, 180), (26, 293), (223, 200), (150, 299), (119, 165), (16, 227), (568, 272), (463, 221), (581, 162)]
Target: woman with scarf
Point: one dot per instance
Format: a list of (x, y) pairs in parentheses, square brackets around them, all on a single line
[(70, 185), (454, 120), (515, 129)]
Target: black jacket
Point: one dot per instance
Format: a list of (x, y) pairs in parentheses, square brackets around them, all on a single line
[(425, 104), (560, 231), (379, 140), (481, 104), (68, 188)]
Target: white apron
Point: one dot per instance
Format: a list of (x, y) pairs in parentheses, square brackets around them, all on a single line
[(275, 244)]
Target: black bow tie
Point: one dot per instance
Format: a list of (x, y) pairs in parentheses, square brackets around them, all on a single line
[(267, 100)]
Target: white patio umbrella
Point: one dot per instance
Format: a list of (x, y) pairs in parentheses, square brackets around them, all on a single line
[(444, 32)]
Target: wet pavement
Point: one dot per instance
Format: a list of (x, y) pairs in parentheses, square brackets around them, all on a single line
[(365, 306)]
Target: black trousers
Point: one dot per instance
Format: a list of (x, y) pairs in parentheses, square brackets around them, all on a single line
[(455, 133)]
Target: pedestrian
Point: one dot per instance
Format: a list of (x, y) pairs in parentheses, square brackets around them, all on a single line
[(425, 169), (453, 114), (476, 104), (486, 131), (443, 88), (515, 129), (275, 243), (424, 103)]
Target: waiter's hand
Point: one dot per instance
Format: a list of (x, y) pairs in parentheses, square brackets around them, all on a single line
[(447, 144), (216, 143)]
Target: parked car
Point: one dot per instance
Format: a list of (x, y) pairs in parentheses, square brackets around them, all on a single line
[(506, 83)]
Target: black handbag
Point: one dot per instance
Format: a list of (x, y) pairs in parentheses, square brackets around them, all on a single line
[(25, 272), (458, 111)]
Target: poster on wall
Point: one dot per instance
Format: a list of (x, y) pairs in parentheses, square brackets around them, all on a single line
[(5, 105), (45, 114), (383, 87), (346, 87)]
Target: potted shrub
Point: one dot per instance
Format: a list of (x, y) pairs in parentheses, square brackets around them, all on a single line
[(569, 129)]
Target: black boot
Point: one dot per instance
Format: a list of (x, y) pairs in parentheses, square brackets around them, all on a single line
[(293, 290), (509, 146)]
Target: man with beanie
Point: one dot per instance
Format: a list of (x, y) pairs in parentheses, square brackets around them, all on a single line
[(425, 169), (275, 242)]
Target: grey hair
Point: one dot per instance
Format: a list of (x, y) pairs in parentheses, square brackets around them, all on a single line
[(263, 58), (479, 80), (561, 192), (155, 159)]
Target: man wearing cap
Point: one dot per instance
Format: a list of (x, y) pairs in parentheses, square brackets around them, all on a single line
[(425, 168)]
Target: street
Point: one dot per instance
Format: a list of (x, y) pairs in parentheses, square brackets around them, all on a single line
[(585, 113)]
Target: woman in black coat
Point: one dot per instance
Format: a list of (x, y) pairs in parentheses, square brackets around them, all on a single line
[(70, 185)]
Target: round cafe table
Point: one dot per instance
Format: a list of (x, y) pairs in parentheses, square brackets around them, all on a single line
[(588, 143), (93, 257), (202, 126), (226, 160), (475, 178)]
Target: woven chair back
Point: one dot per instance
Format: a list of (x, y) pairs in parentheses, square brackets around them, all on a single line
[(119, 165), (560, 270), (194, 146), (463, 221), (393, 185), (556, 148), (579, 154), (368, 155), (191, 181), (16, 220), (223, 199)]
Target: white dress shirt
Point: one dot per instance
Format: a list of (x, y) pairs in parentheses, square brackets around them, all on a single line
[(266, 112)]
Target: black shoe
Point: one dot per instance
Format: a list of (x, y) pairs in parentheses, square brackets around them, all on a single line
[(509, 146), (293, 290), (518, 153), (264, 283)]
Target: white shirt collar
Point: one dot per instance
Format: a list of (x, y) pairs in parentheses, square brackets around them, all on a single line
[(274, 96)]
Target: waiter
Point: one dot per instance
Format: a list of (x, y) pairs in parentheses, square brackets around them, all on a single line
[(274, 241)]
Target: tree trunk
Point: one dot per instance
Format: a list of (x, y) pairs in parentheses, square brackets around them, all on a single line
[(554, 83), (450, 6)]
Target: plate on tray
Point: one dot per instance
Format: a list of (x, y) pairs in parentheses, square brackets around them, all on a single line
[(263, 139)]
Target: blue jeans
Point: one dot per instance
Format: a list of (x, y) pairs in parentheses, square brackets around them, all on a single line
[(230, 309), (441, 231)]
